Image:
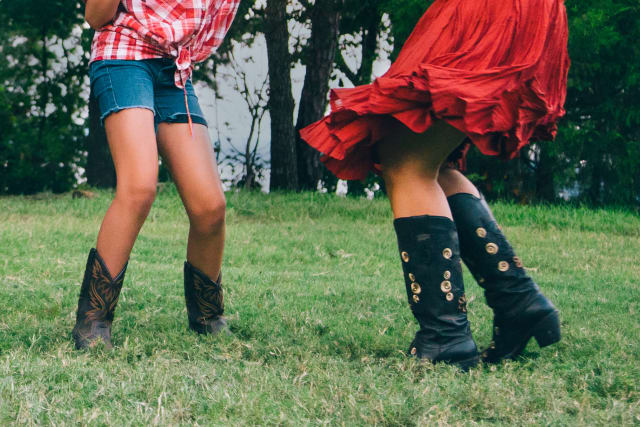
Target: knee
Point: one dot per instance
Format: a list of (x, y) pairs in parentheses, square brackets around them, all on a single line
[(209, 217), (137, 197), (447, 177)]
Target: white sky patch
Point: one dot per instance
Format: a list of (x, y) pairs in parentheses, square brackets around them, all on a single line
[(228, 116)]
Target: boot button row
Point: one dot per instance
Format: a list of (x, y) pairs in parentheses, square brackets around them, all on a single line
[(415, 288)]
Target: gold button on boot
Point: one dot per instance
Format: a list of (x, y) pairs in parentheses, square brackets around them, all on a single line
[(415, 288), (491, 248)]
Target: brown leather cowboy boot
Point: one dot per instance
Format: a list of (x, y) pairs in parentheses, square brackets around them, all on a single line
[(205, 302), (98, 299)]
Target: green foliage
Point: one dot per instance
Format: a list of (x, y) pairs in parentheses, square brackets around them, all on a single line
[(596, 156), (603, 115), (316, 300), (404, 15), (42, 84)]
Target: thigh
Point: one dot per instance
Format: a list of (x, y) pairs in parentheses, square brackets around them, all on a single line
[(124, 90), (192, 163), (407, 151), (132, 142)]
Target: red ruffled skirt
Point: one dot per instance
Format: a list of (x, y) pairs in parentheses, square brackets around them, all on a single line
[(494, 69)]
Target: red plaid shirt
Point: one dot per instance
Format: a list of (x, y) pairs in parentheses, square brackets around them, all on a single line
[(187, 30)]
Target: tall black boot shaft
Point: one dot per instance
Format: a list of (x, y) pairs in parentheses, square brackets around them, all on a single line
[(435, 290), (489, 256), (520, 309), (98, 299)]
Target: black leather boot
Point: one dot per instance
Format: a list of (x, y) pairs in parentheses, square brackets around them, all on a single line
[(520, 310), (205, 302), (98, 299), (430, 257)]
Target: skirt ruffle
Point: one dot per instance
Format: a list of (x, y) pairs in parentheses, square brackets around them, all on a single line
[(495, 70)]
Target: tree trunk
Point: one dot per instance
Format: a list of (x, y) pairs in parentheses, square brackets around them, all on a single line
[(284, 174), (545, 188), (595, 186), (319, 61), (100, 171), (369, 46), (371, 22), (44, 86)]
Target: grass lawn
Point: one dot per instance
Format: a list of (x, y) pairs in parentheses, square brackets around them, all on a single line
[(315, 297)]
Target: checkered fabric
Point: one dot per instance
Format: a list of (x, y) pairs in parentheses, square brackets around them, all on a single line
[(187, 30)]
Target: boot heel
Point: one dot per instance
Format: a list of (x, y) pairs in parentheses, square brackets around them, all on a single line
[(547, 331)]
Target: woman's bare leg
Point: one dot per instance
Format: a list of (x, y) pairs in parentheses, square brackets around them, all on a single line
[(428, 243), (410, 166), (132, 142), (192, 163), (454, 182)]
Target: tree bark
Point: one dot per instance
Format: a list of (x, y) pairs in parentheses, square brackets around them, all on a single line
[(284, 171), (100, 171), (321, 53), (369, 46), (594, 191), (44, 88), (371, 21), (545, 188)]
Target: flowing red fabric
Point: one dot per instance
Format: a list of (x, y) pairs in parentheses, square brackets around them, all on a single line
[(494, 69)]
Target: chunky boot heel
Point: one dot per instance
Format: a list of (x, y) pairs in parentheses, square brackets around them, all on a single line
[(520, 310), (547, 331), (430, 257)]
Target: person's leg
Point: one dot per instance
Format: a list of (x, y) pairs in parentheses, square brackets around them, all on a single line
[(132, 142), (453, 182), (410, 167), (428, 243), (131, 137), (192, 163), (521, 311)]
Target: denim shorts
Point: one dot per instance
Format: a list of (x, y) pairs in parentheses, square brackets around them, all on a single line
[(148, 83)]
